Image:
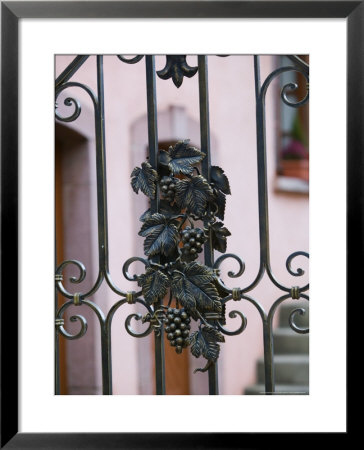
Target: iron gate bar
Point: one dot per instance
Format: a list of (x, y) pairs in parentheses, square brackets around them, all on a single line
[(102, 219), (56, 334), (70, 70), (262, 167), (101, 171), (261, 90), (299, 62), (263, 219), (61, 79), (153, 159), (206, 167), (205, 139)]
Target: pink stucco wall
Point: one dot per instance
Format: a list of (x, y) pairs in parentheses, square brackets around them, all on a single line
[(233, 142)]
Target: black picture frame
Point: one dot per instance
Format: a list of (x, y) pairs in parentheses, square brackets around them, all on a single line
[(11, 13)]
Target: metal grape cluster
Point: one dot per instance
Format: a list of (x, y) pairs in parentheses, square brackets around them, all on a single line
[(173, 244)]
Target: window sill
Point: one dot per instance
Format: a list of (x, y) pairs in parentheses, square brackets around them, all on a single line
[(291, 185)]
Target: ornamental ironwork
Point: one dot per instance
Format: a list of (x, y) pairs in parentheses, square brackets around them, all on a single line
[(173, 243), (182, 228)]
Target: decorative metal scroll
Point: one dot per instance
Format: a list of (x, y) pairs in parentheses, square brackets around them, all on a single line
[(185, 219)]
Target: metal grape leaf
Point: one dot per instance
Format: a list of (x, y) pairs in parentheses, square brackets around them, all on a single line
[(146, 215), (188, 257), (193, 194), (195, 343), (219, 201), (145, 179), (220, 180), (205, 342), (176, 68), (194, 288), (164, 158), (182, 157), (154, 284), (165, 208), (161, 235), (223, 313), (218, 235), (212, 334), (171, 258), (210, 338), (221, 288)]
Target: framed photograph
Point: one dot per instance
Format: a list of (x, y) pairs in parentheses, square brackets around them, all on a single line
[(47, 41)]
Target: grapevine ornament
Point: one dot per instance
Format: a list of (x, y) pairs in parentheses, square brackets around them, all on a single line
[(168, 188), (173, 243), (192, 239), (178, 328)]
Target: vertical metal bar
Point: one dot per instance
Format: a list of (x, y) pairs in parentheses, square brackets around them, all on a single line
[(56, 362), (56, 338), (206, 167), (56, 334), (205, 138), (262, 167), (101, 168), (102, 215), (153, 159), (268, 357), (263, 219), (106, 360)]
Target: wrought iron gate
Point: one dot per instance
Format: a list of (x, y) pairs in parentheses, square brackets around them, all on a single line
[(185, 218)]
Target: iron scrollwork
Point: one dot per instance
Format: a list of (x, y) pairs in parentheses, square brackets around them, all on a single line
[(132, 60), (186, 218), (186, 197)]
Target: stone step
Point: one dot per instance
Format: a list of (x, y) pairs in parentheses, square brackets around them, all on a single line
[(285, 309), (287, 341), (289, 369), (280, 389)]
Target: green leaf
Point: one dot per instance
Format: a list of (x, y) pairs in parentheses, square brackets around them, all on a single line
[(218, 235), (194, 288), (193, 194), (161, 235), (145, 179), (183, 157), (154, 285), (220, 180)]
